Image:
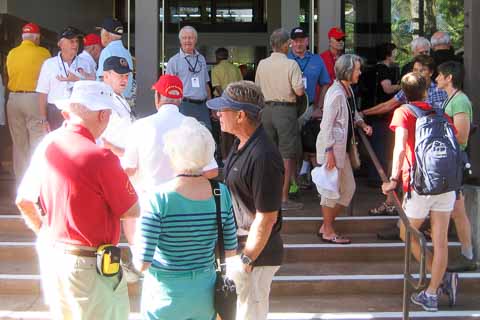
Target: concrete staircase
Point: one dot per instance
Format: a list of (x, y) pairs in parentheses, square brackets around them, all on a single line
[(363, 280)]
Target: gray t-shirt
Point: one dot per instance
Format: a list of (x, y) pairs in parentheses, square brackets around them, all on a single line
[(192, 70)]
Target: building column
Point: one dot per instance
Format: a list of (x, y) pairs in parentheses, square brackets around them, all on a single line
[(329, 15), (472, 72), (290, 14), (146, 53)]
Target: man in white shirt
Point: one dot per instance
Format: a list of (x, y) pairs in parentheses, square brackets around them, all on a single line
[(92, 47), (144, 154), (58, 75), (116, 74)]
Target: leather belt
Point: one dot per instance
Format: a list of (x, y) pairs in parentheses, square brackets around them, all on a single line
[(81, 252), (21, 91), (293, 104), (194, 101)]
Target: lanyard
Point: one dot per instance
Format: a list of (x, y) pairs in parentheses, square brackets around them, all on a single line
[(305, 65), (63, 64), (124, 103), (191, 68), (446, 102)]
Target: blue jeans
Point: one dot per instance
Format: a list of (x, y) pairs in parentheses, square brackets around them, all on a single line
[(178, 295)]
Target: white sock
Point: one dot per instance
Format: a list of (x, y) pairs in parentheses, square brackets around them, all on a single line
[(305, 167), (467, 252), (430, 294)]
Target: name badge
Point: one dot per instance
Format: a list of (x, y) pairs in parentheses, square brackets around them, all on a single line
[(304, 79), (195, 82)]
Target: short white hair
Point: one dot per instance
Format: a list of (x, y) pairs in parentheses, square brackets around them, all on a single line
[(112, 35), (30, 36), (190, 147), (188, 28), (440, 38), (420, 42)]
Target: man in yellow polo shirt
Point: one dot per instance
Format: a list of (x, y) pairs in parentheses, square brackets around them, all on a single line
[(223, 74), (24, 120)]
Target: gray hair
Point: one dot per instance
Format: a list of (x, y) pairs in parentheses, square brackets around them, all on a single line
[(188, 28), (79, 110), (420, 42), (165, 100), (278, 38), (190, 146), (440, 38), (345, 65), (247, 92), (30, 36), (113, 36)]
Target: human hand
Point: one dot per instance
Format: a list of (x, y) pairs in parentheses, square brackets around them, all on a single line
[(317, 113), (71, 78), (247, 268), (331, 163), (389, 186), (368, 130)]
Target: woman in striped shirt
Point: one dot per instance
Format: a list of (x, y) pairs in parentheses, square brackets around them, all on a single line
[(178, 232)]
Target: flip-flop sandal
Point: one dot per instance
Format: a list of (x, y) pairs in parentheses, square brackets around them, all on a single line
[(337, 240)]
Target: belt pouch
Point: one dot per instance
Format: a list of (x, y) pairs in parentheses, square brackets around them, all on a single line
[(108, 260)]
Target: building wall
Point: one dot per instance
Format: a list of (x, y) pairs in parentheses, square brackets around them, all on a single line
[(56, 14)]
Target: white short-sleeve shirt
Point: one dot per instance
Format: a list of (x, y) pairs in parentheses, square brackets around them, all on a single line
[(55, 66), (144, 148), (88, 57), (119, 124)]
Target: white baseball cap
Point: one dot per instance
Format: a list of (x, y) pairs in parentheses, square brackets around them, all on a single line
[(94, 95)]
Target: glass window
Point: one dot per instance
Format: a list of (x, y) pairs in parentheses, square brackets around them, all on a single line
[(192, 11), (350, 18), (234, 11)]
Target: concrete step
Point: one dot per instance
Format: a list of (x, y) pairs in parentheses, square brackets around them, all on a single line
[(282, 285), (367, 251), (370, 306)]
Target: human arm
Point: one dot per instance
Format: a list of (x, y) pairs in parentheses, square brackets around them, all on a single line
[(382, 108), (330, 114), (132, 213), (118, 151), (30, 213), (401, 136), (388, 87), (359, 122), (461, 121), (259, 234)]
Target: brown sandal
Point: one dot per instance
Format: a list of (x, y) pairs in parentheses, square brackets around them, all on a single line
[(337, 240)]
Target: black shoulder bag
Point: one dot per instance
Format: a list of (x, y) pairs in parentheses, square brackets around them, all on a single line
[(225, 301)]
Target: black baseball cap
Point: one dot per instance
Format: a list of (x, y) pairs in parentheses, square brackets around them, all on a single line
[(70, 33), (112, 25), (117, 64), (298, 32)]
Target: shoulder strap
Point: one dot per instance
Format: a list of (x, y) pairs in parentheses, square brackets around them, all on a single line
[(417, 112), (220, 241)]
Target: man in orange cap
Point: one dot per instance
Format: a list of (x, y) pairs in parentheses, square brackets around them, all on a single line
[(92, 47), (144, 154), (23, 67)]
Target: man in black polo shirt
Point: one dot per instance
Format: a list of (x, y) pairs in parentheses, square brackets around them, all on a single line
[(254, 173)]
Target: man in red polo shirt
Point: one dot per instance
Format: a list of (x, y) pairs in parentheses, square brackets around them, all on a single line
[(336, 45), (82, 194), (418, 207)]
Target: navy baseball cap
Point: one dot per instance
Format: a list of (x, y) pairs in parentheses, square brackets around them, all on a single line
[(298, 32), (70, 33), (117, 64), (112, 25), (225, 102)]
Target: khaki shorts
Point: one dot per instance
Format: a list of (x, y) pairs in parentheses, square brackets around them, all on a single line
[(281, 124), (76, 291), (346, 187), (418, 207)]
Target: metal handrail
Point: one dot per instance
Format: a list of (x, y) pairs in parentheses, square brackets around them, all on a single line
[(417, 284)]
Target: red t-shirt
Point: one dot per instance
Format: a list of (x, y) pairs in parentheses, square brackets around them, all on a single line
[(329, 60), (404, 118), (85, 190)]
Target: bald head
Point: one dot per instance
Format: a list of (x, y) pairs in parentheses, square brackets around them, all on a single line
[(440, 41)]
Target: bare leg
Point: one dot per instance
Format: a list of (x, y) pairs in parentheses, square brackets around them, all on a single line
[(462, 224), (329, 215), (439, 221), (289, 165), (415, 245)]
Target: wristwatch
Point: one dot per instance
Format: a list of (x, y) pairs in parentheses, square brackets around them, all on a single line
[(246, 259)]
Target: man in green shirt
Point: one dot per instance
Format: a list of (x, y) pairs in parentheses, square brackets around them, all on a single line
[(458, 106)]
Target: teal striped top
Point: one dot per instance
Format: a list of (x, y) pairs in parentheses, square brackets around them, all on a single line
[(179, 234)]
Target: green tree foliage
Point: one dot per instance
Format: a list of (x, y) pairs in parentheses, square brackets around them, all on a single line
[(445, 15)]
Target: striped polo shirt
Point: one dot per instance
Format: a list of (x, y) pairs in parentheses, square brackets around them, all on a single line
[(179, 234)]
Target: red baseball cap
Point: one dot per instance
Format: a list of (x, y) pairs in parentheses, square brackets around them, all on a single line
[(336, 33), (169, 86), (31, 28), (91, 39)]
